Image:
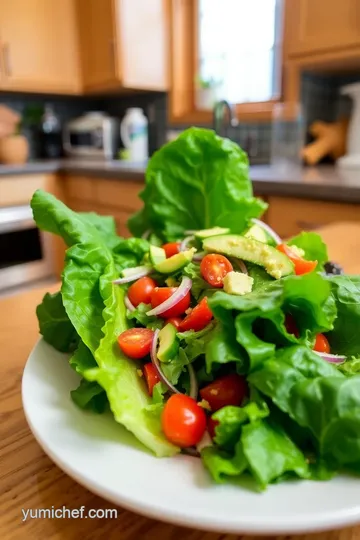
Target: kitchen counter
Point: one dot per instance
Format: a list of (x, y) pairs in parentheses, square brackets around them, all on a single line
[(323, 182), (29, 479)]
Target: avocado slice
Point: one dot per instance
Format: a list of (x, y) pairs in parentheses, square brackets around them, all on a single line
[(238, 283), (176, 262), (259, 234), (168, 343), (215, 231), (157, 255), (275, 263)]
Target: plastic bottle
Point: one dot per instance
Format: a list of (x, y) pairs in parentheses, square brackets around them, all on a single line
[(134, 134), (51, 133)]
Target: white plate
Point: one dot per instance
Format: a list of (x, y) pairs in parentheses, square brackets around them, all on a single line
[(104, 457)]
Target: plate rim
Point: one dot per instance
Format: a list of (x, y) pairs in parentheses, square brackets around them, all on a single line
[(323, 523)]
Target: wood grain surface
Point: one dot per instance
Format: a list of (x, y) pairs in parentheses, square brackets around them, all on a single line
[(29, 479)]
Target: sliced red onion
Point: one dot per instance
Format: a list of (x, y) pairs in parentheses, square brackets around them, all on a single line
[(268, 229), (191, 231), (205, 441), (174, 299), (128, 304), (332, 358), (145, 271), (185, 243), (199, 256), (194, 387), (146, 234), (240, 264)]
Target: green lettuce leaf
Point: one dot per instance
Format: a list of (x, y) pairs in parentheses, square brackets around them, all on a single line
[(97, 311), (350, 367), (199, 285), (198, 181), (317, 396), (139, 316), (90, 396), (345, 337), (194, 343), (259, 317), (54, 324), (222, 464), (222, 347), (314, 247)]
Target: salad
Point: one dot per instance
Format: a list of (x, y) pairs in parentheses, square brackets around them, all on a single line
[(205, 332)]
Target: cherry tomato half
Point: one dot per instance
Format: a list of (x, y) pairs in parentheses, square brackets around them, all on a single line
[(302, 266), (172, 248), (199, 317), (151, 376), (160, 294), (214, 268), (321, 344), (227, 390), (211, 425), (136, 342), (140, 291), (175, 321), (183, 421)]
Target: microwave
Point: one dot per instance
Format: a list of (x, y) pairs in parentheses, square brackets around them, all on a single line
[(93, 135)]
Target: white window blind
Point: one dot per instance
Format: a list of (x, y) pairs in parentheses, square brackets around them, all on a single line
[(239, 48)]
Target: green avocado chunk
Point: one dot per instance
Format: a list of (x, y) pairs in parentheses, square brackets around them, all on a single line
[(176, 262), (157, 255), (275, 263), (169, 343)]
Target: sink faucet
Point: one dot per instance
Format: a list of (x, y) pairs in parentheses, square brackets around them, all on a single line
[(224, 116)]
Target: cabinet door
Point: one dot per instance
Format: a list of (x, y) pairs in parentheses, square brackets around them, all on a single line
[(322, 26), (142, 43), (39, 46), (96, 33)]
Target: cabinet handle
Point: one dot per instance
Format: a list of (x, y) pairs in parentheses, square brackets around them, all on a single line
[(6, 57)]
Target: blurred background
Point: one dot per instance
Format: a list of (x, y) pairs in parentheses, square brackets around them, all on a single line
[(90, 89)]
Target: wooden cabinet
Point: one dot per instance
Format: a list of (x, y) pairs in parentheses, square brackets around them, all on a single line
[(123, 44), (289, 216), (39, 49), (317, 26)]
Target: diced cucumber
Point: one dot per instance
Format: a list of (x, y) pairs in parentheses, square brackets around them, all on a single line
[(157, 255)]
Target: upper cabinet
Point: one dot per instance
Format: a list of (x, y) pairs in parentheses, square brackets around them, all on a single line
[(38, 46), (123, 44), (318, 26)]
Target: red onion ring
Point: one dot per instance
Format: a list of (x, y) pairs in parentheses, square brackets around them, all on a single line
[(146, 234), (268, 229), (205, 441), (174, 299), (199, 256), (332, 358), (185, 242), (128, 304), (240, 264), (146, 270)]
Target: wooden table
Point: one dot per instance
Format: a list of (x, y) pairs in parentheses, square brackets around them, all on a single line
[(29, 479)]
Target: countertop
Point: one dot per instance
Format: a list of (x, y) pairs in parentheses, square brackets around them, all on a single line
[(30, 480), (323, 182)]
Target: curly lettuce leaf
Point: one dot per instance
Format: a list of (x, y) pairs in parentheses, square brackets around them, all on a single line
[(198, 181), (350, 367), (345, 337), (97, 311), (139, 316), (222, 464), (314, 247), (90, 396), (55, 325), (259, 317)]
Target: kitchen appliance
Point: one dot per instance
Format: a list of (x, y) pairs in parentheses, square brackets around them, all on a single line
[(93, 135), (25, 252), (352, 158)]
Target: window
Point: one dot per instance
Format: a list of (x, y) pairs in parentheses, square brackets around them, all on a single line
[(239, 48)]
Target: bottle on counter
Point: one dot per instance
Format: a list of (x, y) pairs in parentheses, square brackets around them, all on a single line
[(134, 134), (51, 133)]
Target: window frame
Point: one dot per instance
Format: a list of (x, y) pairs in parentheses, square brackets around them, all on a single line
[(184, 34)]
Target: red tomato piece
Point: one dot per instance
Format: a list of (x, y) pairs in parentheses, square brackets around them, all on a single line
[(214, 268), (160, 294), (211, 425), (199, 317), (227, 390), (140, 291), (172, 248), (183, 421), (175, 321), (302, 266), (321, 344), (151, 376), (136, 342)]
